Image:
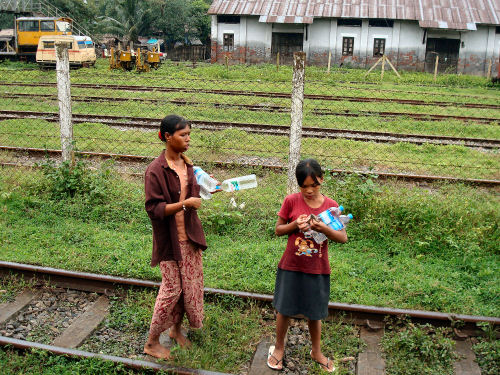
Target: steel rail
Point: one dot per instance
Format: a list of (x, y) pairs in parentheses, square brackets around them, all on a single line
[(313, 132), (353, 308), (323, 83), (380, 175), (131, 363), (259, 94), (264, 108)]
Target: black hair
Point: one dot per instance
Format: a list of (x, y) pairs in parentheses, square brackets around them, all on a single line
[(308, 168), (170, 124)]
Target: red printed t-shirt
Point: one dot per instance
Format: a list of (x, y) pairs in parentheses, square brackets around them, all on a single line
[(303, 254)]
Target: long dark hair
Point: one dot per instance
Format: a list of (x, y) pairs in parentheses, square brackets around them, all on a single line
[(308, 168), (170, 124)]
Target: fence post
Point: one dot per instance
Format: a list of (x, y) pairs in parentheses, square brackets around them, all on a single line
[(383, 68), (64, 96), (329, 61), (436, 64), (297, 105)]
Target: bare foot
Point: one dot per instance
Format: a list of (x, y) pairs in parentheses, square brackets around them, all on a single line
[(182, 340), (157, 350)]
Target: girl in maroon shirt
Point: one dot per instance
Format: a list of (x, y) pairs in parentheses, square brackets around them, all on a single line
[(303, 276)]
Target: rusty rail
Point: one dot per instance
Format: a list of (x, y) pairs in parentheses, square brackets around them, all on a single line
[(259, 94), (142, 158), (98, 282), (131, 363)]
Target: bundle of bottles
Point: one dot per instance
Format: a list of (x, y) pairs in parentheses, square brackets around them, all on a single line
[(209, 184), (333, 218)]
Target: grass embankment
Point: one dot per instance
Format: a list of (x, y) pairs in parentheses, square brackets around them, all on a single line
[(434, 249)]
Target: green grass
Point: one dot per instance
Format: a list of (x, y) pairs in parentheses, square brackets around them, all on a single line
[(487, 349), (268, 72), (38, 362), (231, 330), (453, 160), (415, 349), (408, 247), (230, 145)]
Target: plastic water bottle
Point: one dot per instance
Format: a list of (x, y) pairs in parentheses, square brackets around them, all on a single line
[(207, 183), (333, 221), (239, 183), (331, 217), (320, 237), (204, 193)]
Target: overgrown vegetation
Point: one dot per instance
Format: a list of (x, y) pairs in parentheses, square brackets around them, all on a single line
[(68, 181), (39, 362), (432, 248), (415, 349), (487, 350)]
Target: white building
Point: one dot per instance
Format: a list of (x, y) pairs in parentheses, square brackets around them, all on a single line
[(464, 33)]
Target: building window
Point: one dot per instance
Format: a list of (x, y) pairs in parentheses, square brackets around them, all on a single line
[(228, 19), (347, 46), (497, 29), (381, 23), (348, 22), (378, 47), (47, 26), (228, 42)]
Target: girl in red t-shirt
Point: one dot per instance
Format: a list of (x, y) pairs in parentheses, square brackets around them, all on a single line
[(303, 276)]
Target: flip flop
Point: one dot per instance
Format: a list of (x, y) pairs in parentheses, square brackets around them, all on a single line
[(270, 355), (325, 367)]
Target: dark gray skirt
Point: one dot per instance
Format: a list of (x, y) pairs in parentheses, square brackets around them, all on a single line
[(302, 294)]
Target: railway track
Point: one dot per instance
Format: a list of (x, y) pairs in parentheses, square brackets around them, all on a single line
[(276, 130), (38, 155), (325, 83), (264, 108), (260, 94), (75, 289)]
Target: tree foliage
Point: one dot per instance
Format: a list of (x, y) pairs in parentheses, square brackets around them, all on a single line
[(172, 20)]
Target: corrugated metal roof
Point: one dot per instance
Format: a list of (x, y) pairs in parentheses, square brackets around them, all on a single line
[(441, 14)]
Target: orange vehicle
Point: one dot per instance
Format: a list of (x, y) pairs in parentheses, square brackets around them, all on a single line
[(30, 29)]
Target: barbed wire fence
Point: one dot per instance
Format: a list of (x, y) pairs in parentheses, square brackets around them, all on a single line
[(430, 133)]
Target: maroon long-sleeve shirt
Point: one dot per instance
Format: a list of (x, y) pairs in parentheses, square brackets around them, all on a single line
[(162, 187)]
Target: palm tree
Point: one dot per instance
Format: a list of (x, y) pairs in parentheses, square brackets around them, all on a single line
[(128, 18)]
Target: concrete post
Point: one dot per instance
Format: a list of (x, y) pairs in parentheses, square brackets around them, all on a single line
[(64, 96), (297, 105)]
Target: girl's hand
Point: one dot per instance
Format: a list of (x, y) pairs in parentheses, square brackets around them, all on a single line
[(193, 202), (318, 225), (302, 222), (218, 184)]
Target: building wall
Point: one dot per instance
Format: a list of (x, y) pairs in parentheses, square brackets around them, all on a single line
[(252, 41), (479, 48), (411, 47), (405, 44)]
